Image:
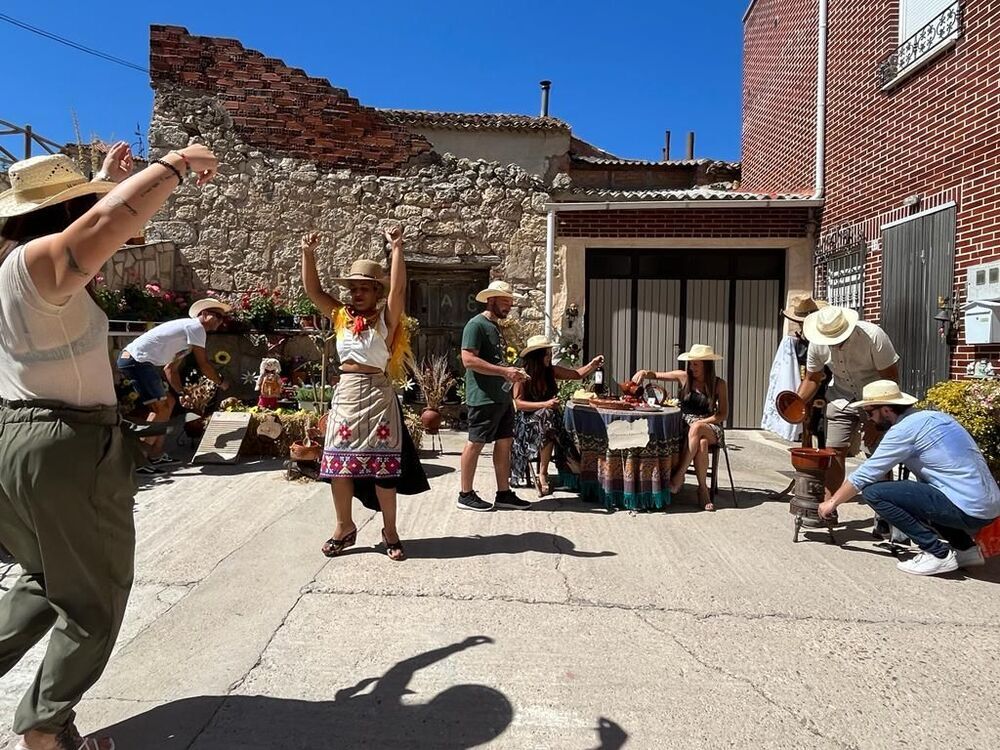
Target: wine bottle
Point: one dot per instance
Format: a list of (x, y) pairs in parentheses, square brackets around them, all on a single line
[(599, 387)]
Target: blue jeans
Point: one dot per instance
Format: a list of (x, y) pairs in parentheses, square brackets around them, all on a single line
[(924, 514), (147, 379)]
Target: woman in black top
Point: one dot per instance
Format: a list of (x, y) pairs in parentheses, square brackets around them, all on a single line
[(538, 422), (704, 404)]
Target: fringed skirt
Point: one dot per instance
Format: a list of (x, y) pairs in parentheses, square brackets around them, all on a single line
[(367, 441)]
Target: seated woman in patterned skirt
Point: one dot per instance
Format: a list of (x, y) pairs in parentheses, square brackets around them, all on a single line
[(368, 452), (538, 421), (704, 403)]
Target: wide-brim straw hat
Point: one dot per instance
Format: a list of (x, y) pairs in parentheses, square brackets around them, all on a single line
[(802, 306), (43, 181), (535, 343), (700, 353), (208, 304), (364, 270), (496, 289), (883, 393), (830, 326)]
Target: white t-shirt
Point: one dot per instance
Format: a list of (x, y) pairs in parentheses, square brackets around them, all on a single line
[(51, 352), (168, 341)]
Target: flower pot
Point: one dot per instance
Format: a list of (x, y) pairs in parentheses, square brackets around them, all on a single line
[(299, 452), (194, 425), (431, 420)]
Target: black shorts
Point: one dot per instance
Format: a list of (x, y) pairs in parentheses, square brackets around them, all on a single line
[(491, 422)]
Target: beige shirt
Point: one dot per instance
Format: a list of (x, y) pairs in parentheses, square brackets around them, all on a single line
[(51, 352), (855, 363)]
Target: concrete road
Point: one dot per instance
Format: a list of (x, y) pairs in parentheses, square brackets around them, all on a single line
[(558, 627)]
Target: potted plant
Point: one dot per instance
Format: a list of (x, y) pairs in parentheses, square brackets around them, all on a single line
[(305, 312), (435, 380)]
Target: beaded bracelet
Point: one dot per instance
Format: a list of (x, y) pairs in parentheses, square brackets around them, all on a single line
[(187, 162), (172, 168)]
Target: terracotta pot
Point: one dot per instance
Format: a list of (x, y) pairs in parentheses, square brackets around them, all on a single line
[(812, 459), (299, 452), (195, 427), (791, 407), (431, 420)]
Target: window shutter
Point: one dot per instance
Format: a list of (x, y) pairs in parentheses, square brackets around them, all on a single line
[(915, 14)]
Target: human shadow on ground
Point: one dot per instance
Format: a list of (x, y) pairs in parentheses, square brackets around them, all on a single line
[(452, 547), (436, 470), (610, 734), (371, 713)]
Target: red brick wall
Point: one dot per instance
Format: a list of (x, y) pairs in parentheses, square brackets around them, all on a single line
[(936, 130), (779, 96), (685, 222), (280, 108)]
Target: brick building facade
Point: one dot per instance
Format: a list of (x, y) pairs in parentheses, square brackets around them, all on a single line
[(912, 138)]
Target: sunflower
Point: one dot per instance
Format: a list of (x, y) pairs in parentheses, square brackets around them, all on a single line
[(222, 358)]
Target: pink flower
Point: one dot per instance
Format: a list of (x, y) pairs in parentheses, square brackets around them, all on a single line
[(99, 278)]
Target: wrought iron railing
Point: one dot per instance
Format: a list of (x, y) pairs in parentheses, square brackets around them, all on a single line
[(945, 25), (840, 268)]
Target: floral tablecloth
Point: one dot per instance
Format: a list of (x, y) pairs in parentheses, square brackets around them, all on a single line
[(632, 478)]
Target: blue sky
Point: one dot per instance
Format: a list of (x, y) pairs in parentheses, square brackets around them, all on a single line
[(622, 72)]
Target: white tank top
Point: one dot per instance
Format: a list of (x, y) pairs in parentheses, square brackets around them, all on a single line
[(367, 348), (52, 352)]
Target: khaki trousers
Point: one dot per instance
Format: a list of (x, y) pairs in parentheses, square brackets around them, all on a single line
[(67, 489)]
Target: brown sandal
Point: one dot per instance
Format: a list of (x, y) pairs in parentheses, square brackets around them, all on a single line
[(333, 546), (395, 547)]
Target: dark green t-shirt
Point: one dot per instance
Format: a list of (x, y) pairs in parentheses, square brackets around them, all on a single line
[(483, 336)]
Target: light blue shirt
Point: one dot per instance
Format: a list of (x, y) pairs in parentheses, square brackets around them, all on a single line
[(938, 451)]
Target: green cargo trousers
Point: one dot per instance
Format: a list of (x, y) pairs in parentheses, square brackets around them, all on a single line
[(67, 490)]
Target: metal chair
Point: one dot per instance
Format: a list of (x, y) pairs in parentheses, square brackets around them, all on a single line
[(713, 472)]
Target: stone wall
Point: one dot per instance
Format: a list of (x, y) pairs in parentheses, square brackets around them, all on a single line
[(243, 229), (140, 264)]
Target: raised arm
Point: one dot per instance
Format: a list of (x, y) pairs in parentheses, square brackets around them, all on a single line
[(565, 373), (62, 264), (324, 302), (677, 376), (396, 301)]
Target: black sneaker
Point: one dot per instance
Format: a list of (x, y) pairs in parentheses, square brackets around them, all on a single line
[(164, 459), (509, 500), (149, 469), (472, 501)]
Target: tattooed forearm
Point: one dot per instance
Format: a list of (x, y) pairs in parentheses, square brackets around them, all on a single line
[(73, 266), (115, 201), (154, 185)]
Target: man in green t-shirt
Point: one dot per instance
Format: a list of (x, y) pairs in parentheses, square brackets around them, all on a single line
[(488, 383)]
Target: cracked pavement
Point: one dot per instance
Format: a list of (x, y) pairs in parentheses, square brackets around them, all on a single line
[(558, 627)]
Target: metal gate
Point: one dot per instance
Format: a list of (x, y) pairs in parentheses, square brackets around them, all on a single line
[(641, 322), (918, 267)]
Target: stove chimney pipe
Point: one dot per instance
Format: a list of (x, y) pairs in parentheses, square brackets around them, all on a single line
[(690, 145), (546, 85), (666, 145)]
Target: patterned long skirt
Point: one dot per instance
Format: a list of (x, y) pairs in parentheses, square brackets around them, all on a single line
[(532, 429), (364, 430)]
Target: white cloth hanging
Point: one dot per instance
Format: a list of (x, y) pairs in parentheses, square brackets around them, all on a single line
[(784, 377)]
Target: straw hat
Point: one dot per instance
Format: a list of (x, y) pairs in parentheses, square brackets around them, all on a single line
[(364, 270), (883, 393), (801, 306), (832, 325), (700, 352), (496, 289), (208, 304), (43, 181), (535, 343)]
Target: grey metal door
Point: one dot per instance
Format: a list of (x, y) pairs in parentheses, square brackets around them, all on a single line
[(609, 326), (918, 267), (755, 339)]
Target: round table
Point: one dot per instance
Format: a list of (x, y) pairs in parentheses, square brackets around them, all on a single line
[(634, 478)]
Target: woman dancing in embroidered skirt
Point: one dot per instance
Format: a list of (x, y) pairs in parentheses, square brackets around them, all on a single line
[(368, 452)]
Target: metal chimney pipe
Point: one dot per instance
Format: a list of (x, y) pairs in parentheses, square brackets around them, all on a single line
[(690, 145), (546, 85), (666, 145)]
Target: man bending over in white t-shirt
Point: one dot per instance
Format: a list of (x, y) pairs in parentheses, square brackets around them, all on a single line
[(163, 348)]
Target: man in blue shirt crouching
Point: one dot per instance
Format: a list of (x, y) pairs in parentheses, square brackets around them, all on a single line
[(955, 495)]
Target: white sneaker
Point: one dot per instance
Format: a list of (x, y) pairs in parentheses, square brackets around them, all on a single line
[(970, 558), (925, 564)]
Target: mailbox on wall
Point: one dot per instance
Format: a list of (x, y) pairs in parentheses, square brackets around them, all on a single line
[(982, 322)]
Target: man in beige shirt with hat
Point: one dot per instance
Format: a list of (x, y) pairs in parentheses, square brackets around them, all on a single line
[(857, 353)]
